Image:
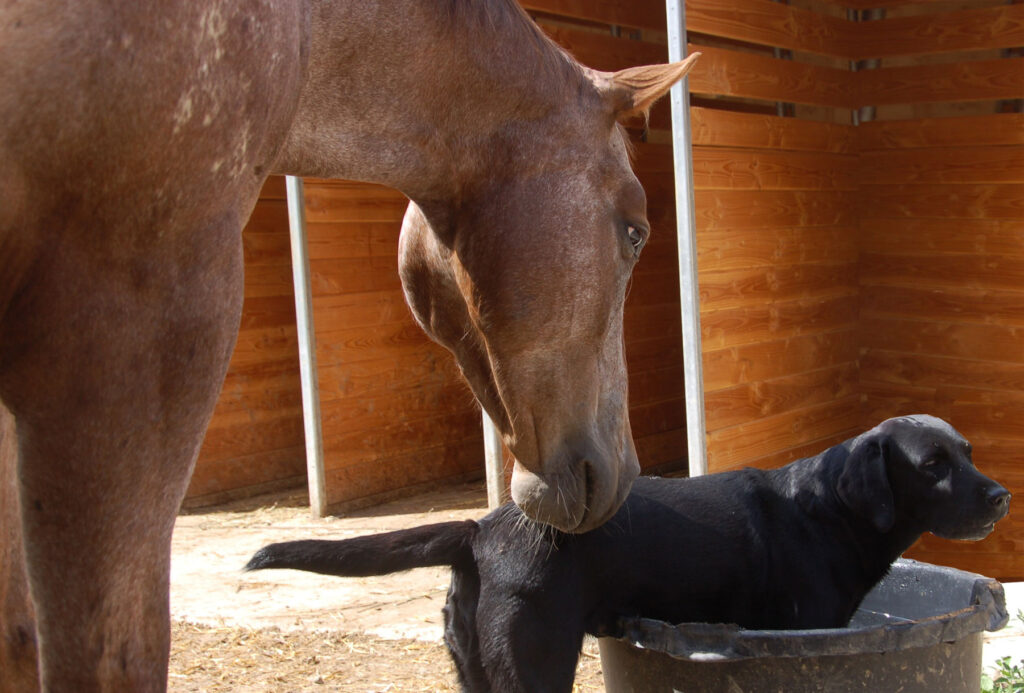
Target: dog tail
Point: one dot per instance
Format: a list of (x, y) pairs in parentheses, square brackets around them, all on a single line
[(445, 543)]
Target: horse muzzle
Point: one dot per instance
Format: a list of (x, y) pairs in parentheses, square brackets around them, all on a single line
[(581, 495)]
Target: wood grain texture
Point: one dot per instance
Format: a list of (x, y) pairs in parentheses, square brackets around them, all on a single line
[(947, 32), (953, 82)]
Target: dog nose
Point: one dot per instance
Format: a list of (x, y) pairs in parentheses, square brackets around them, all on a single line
[(998, 496)]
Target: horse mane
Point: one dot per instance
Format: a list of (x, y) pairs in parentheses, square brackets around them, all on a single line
[(507, 17)]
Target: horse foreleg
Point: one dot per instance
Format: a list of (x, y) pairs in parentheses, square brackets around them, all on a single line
[(19, 659), (114, 364)]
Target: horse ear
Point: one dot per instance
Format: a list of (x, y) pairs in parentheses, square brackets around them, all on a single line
[(634, 90), (863, 485)]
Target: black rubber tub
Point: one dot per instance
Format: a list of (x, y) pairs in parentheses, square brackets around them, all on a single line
[(919, 630)]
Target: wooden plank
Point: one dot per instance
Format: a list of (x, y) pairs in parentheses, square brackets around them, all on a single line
[(724, 368), (752, 287), (664, 449), (736, 445), (770, 24), (642, 14), (748, 402), (263, 392), (974, 164), (731, 249), (240, 437), (273, 188), (358, 445), (254, 347), (360, 309), (382, 477), (945, 273), (922, 5), (427, 366), (809, 449), (255, 471), (651, 419), (981, 341), (379, 402), (649, 354), (650, 321), (943, 236), (753, 324), (268, 311), (727, 168), (658, 385), (940, 371), (716, 128), (332, 200), (985, 306), (942, 201), (356, 239), (999, 129), (267, 280), (354, 275), (745, 75), (742, 209), (946, 32), (368, 343), (980, 80)]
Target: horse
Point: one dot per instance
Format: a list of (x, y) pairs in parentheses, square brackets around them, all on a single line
[(134, 140)]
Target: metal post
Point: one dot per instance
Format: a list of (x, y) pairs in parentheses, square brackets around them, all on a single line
[(686, 230), (493, 463), (307, 348)]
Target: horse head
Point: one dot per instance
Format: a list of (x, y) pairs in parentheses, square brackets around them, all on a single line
[(523, 277)]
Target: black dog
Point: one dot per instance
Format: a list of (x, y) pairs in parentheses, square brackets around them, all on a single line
[(796, 547)]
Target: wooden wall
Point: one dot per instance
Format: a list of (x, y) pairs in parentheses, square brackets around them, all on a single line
[(941, 223), (396, 414), (853, 273), (255, 442)]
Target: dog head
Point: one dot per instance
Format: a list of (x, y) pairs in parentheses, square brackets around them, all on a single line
[(919, 469)]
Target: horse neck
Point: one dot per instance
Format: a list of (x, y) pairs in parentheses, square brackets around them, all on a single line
[(409, 95)]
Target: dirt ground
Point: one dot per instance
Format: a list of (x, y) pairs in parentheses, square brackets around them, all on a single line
[(280, 630)]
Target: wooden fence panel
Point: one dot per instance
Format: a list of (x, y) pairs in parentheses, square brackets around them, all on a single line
[(942, 297), (948, 32)]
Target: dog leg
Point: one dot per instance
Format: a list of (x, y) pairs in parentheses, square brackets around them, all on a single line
[(460, 631), (529, 646)]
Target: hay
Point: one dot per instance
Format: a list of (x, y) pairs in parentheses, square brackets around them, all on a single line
[(211, 659)]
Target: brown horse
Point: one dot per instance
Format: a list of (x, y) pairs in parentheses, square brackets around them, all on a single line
[(134, 139)]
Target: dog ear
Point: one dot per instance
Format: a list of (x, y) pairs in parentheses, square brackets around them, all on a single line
[(863, 485)]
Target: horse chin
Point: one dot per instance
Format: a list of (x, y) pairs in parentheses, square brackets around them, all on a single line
[(572, 502)]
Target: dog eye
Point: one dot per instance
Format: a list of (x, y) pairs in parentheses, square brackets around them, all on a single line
[(930, 464)]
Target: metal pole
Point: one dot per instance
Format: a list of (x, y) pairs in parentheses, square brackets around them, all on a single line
[(493, 463), (686, 231), (307, 348)]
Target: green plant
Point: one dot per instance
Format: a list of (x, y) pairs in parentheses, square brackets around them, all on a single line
[(1006, 677)]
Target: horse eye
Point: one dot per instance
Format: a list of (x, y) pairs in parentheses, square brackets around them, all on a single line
[(637, 237)]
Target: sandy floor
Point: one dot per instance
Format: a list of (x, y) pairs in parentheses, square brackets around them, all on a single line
[(280, 630)]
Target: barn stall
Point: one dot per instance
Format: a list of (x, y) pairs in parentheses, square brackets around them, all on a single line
[(859, 215)]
